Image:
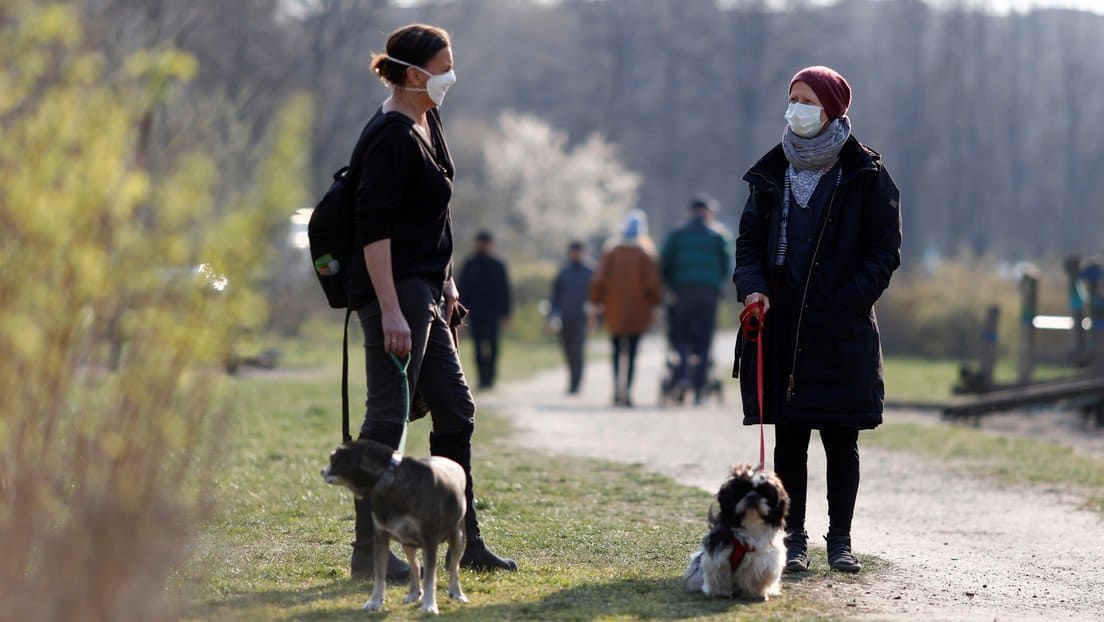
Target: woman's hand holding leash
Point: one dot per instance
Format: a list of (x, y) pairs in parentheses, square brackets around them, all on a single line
[(756, 297), (396, 333)]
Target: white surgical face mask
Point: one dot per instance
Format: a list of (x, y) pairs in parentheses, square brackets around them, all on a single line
[(436, 86), (804, 119)]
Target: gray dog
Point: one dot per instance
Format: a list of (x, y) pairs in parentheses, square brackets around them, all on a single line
[(420, 503)]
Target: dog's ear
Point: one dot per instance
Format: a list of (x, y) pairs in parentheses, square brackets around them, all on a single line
[(727, 498), (712, 518), (781, 508)]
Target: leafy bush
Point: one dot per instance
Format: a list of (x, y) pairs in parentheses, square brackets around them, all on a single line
[(120, 289)]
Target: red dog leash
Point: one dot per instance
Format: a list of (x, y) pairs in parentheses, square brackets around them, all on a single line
[(751, 323)]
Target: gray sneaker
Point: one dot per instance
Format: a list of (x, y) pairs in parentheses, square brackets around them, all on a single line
[(840, 556), (797, 552)]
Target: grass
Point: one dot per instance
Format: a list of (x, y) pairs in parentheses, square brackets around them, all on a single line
[(915, 378), (595, 540)]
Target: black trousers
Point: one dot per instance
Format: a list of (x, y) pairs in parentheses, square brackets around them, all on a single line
[(434, 369), (485, 337), (791, 458), (573, 340), (624, 346), (691, 323)]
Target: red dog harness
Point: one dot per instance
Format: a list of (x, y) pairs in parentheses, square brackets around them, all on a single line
[(739, 549)]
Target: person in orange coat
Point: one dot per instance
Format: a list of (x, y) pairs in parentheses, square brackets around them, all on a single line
[(627, 288)]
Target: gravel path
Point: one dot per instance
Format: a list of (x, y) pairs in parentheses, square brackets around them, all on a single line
[(958, 548)]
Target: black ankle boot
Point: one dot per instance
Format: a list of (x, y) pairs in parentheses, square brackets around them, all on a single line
[(362, 564), (477, 556), (797, 551), (840, 556)]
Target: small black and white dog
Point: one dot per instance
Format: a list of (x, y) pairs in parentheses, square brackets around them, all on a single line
[(420, 503), (743, 554)]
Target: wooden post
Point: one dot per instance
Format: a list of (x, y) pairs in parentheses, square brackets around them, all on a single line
[(1029, 299), (987, 361), (1093, 273), (1080, 355)]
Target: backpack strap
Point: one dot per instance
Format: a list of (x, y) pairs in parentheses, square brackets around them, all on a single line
[(345, 436)]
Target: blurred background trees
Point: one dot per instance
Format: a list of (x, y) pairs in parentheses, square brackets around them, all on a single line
[(986, 120)]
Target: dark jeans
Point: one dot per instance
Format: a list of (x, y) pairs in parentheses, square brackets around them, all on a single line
[(485, 337), (573, 340), (690, 330), (434, 369), (624, 346), (791, 457)]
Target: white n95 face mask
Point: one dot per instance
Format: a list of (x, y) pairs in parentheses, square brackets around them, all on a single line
[(804, 119), (436, 86)]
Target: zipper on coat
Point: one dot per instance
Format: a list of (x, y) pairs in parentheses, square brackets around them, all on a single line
[(791, 383)]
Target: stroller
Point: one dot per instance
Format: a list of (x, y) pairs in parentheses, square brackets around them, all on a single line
[(676, 383)]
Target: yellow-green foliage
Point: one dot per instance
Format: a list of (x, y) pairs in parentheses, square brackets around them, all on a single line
[(114, 312)]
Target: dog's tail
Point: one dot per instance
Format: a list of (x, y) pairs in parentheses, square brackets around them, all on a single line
[(693, 578)]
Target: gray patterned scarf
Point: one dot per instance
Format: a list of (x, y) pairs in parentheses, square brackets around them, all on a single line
[(809, 159), (819, 152)]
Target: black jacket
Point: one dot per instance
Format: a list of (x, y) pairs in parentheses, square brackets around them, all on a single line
[(823, 360), (402, 194), (570, 290), (484, 288)]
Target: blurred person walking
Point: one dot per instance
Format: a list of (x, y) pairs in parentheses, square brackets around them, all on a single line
[(819, 238), (568, 314), (695, 262), (401, 286), (485, 291), (626, 285)]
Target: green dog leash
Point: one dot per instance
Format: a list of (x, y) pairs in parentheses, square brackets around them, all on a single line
[(403, 366)]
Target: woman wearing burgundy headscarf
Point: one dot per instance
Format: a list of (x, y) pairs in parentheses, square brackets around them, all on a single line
[(819, 237)]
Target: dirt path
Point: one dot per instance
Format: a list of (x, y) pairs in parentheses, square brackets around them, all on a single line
[(958, 548)]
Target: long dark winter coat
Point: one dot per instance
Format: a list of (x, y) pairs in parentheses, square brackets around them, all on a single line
[(823, 355)]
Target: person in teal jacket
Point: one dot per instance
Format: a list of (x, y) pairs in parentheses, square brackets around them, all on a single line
[(695, 263)]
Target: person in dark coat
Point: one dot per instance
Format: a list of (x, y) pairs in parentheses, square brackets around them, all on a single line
[(819, 237), (485, 291), (568, 310)]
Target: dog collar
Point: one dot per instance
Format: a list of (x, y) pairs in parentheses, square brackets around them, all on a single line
[(739, 549), (396, 459)]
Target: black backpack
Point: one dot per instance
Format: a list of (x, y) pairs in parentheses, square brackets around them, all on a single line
[(331, 236), (331, 230)]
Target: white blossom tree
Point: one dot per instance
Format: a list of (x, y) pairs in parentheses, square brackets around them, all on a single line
[(547, 192)]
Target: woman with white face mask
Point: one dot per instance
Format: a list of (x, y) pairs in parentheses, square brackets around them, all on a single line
[(819, 237), (401, 286)]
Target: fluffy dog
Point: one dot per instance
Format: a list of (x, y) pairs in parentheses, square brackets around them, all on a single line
[(420, 503), (743, 553)]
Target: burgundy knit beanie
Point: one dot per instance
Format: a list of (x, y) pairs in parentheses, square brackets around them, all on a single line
[(831, 89)]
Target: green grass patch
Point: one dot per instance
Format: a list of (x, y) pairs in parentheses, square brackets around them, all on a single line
[(916, 378), (595, 540), (1006, 458)]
